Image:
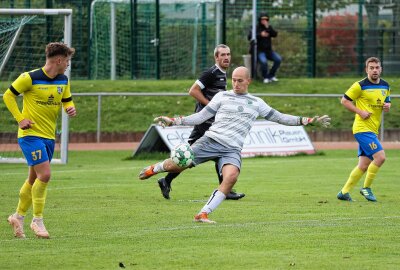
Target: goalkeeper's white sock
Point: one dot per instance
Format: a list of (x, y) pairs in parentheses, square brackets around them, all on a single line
[(159, 167), (216, 198)]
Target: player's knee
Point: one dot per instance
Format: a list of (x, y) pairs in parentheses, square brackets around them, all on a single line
[(44, 176), (230, 178), (380, 160), (363, 167)]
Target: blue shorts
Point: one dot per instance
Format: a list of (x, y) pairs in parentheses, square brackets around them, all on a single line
[(36, 149), (206, 149), (368, 144)]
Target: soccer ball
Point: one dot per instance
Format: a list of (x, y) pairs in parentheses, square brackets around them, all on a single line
[(182, 155)]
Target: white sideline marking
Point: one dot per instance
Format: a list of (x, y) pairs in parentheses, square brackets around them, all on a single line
[(81, 170), (196, 201), (322, 159), (91, 187), (286, 222), (210, 226)]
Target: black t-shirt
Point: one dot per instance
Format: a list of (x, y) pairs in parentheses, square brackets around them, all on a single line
[(211, 82)]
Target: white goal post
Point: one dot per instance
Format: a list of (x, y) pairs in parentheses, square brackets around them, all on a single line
[(67, 39)]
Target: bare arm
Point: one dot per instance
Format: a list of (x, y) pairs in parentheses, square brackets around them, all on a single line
[(195, 91), (386, 106), (349, 105), (71, 111)]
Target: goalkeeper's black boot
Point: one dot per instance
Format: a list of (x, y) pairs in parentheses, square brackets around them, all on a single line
[(234, 196), (165, 187)]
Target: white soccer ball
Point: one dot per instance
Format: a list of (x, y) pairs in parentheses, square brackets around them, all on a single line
[(182, 155)]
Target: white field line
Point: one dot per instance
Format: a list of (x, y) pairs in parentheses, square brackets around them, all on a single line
[(250, 164), (79, 170), (325, 222), (321, 223)]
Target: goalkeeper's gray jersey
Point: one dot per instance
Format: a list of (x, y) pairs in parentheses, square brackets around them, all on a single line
[(234, 117)]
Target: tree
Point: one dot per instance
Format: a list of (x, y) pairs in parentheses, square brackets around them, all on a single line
[(337, 39)]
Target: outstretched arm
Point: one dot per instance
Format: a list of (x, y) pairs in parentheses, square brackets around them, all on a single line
[(291, 120), (191, 120)]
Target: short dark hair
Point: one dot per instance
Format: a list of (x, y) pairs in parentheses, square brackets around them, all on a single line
[(372, 60), (216, 50), (58, 48)]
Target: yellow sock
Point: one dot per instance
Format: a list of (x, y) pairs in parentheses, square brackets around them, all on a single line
[(39, 192), (354, 177), (371, 173), (25, 198)]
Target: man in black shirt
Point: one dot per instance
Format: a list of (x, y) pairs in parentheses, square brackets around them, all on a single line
[(211, 81), (264, 35)]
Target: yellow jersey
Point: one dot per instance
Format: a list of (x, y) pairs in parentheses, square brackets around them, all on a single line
[(42, 99), (369, 97)]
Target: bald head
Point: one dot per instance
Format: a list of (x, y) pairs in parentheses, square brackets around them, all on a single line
[(241, 80), (241, 71)]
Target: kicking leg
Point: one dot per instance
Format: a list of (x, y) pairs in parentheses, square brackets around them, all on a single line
[(231, 195), (230, 174)]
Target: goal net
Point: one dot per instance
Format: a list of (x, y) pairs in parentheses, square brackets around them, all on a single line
[(24, 34), (140, 39)]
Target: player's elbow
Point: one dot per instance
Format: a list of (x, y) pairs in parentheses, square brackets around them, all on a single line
[(8, 96), (344, 101), (191, 92)]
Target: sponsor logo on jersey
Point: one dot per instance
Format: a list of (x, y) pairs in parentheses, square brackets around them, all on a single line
[(50, 101)]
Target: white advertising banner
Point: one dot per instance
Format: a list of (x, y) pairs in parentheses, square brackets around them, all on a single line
[(268, 138), (265, 139)]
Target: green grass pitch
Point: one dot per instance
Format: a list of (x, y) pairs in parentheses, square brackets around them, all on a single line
[(100, 215)]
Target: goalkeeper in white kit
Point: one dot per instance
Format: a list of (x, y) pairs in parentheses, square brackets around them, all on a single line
[(235, 112)]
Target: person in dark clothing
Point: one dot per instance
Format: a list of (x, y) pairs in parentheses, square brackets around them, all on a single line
[(211, 82), (264, 35)]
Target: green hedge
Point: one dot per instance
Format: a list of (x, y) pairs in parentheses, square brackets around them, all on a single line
[(135, 114)]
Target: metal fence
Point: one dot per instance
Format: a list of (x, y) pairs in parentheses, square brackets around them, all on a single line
[(100, 96), (157, 38)]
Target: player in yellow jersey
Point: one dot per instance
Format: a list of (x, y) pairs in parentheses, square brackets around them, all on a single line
[(44, 91), (367, 98)]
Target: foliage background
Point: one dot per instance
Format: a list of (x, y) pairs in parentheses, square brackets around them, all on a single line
[(319, 38)]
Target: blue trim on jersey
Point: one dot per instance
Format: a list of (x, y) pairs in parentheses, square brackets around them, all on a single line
[(36, 149), (366, 84), (387, 99), (376, 86), (34, 82), (368, 144), (39, 75)]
